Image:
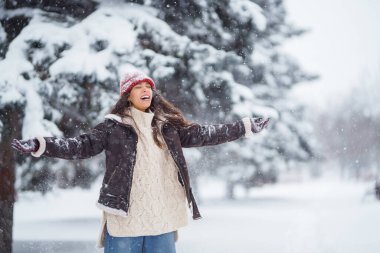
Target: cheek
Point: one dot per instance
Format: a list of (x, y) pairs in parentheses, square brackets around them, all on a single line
[(133, 96)]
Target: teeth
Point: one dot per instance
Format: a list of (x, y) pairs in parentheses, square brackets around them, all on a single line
[(145, 97)]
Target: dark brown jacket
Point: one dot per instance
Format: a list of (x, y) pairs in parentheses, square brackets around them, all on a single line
[(119, 142)]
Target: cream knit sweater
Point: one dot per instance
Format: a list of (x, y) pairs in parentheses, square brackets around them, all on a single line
[(157, 200)]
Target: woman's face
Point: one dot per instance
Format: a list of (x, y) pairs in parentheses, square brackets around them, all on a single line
[(141, 96)]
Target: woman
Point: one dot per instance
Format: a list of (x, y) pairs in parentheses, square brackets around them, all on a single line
[(146, 185)]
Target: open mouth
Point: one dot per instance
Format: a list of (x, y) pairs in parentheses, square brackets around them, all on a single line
[(145, 97)]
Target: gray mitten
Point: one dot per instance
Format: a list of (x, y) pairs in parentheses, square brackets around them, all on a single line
[(258, 124), (25, 146)]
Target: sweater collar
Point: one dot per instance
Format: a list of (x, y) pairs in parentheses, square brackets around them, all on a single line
[(142, 119), (129, 121)]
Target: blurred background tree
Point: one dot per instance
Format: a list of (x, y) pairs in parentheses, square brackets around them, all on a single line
[(350, 131)]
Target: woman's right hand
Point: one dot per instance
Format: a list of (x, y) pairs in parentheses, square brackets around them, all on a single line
[(25, 146)]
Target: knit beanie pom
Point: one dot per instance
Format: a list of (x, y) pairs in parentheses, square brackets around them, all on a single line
[(132, 78)]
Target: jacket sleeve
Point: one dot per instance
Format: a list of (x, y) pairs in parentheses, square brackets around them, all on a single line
[(81, 147), (205, 135)]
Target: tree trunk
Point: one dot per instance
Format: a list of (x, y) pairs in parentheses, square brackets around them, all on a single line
[(230, 194), (6, 225), (11, 119)]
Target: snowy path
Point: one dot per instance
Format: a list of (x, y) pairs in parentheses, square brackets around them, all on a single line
[(324, 217)]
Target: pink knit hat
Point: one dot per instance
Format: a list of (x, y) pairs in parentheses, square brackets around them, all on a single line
[(132, 78)]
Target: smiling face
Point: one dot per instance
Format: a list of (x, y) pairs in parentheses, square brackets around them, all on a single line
[(141, 96)]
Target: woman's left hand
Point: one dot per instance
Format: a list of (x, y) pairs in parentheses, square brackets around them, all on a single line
[(259, 124)]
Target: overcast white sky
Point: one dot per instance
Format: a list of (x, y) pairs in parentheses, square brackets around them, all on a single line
[(342, 46)]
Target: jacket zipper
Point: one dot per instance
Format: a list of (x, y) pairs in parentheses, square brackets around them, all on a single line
[(113, 173), (132, 172)]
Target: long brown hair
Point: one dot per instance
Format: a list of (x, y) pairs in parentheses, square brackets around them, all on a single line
[(163, 111)]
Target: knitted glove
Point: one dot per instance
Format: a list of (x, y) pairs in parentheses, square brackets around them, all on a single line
[(258, 124), (25, 146)]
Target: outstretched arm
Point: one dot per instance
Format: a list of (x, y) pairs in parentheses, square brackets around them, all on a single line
[(204, 135), (81, 147)]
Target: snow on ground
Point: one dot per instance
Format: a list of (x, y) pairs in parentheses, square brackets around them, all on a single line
[(324, 216)]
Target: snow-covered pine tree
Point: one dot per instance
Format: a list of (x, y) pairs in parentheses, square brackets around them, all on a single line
[(255, 83)]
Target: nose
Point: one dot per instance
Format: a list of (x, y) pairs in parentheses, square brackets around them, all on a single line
[(145, 89)]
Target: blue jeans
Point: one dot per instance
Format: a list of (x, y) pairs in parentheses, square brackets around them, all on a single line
[(163, 243)]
